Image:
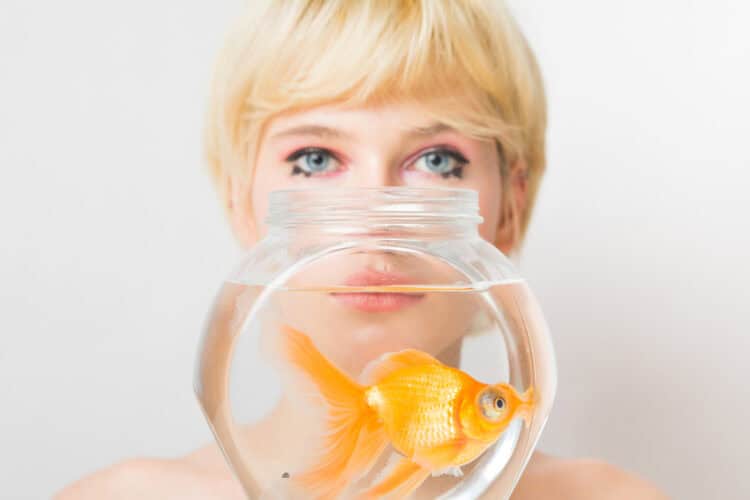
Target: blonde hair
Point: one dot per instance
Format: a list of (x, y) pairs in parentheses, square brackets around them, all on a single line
[(465, 60)]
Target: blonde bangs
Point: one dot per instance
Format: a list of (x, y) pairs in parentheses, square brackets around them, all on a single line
[(465, 62)]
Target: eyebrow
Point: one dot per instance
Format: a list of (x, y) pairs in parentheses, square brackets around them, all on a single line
[(333, 133), (315, 130), (430, 130)]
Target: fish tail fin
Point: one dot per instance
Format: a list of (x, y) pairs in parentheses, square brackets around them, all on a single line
[(337, 388), (402, 480), (354, 437)]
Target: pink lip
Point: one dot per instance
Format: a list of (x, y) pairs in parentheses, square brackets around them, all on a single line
[(377, 301), (369, 277)]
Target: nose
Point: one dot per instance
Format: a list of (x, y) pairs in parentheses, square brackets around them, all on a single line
[(375, 171)]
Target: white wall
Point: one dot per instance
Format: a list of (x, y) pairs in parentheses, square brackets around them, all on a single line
[(639, 248), (113, 245)]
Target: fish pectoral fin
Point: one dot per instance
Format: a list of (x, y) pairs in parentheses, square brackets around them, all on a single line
[(454, 471), (440, 457), (403, 479), (388, 363)]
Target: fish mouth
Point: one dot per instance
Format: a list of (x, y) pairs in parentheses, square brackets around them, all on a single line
[(526, 408), (388, 299)]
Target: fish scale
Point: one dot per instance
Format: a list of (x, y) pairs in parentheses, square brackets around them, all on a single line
[(418, 406)]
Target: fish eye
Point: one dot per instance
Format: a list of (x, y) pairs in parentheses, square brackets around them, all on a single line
[(491, 405)]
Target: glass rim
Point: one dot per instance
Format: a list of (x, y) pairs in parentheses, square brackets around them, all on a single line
[(388, 192), (384, 205)]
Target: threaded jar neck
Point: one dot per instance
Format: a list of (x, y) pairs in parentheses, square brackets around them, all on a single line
[(343, 210)]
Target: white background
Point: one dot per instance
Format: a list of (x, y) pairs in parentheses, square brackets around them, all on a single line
[(113, 243)]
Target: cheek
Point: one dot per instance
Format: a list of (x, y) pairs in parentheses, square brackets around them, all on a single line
[(488, 185), (260, 210), (259, 196), (484, 177), (489, 209), (268, 177)]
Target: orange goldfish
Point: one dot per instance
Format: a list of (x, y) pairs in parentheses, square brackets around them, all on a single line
[(437, 417)]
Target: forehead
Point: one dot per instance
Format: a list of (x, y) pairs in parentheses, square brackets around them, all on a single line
[(396, 117)]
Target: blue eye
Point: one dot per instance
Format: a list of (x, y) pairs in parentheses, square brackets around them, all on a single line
[(311, 161), (443, 162)]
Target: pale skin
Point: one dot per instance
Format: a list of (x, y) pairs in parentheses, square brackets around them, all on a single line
[(385, 145)]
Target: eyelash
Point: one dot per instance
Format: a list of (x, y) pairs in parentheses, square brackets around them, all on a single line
[(300, 153), (460, 160), (455, 155)]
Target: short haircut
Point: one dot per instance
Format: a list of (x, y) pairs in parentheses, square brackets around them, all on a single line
[(465, 60)]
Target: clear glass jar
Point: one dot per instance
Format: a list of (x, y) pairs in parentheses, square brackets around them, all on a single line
[(370, 331)]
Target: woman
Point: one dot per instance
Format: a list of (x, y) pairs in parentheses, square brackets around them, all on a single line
[(370, 94)]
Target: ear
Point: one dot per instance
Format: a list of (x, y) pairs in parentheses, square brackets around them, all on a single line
[(240, 213), (513, 207)]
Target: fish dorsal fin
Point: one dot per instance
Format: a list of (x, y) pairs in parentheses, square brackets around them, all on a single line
[(388, 363)]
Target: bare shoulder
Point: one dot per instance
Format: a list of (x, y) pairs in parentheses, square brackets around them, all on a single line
[(154, 479), (549, 477)]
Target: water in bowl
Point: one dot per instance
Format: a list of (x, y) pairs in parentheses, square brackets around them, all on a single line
[(269, 423)]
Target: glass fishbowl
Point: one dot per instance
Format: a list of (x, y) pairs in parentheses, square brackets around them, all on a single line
[(373, 345)]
